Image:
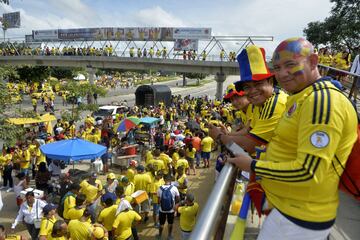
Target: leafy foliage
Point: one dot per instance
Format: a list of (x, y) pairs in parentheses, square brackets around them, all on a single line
[(340, 29)]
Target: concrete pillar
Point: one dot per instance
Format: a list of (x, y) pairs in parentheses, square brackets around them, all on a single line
[(220, 79), (184, 80), (91, 73)]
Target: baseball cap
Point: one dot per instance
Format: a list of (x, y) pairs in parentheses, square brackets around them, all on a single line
[(98, 232), (108, 195), (231, 91), (140, 168), (49, 207), (111, 176)]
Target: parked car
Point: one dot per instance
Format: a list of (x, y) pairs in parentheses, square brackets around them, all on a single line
[(109, 110)]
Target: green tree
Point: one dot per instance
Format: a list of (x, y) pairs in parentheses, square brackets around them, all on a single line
[(197, 76), (62, 72), (83, 90), (33, 73), (340, 29)]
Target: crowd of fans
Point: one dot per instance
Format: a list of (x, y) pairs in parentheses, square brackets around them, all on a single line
[(175, 151), (108, 50)]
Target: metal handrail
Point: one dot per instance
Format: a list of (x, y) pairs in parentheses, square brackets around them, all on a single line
[(206, 224), (339, 70)]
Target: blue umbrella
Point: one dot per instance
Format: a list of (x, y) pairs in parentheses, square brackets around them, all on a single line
[(149, 120), (73, 149)]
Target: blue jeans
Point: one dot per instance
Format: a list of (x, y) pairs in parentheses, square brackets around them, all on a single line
[(198, 158)]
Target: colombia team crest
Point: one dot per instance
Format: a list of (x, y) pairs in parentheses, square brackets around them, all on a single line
[(291, 110)]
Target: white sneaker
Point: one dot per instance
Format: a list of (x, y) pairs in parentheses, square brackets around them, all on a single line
[(9, 190)]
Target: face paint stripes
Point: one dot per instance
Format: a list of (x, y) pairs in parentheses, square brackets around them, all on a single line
[(298, 70)]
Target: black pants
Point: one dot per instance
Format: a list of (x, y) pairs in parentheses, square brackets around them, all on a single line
[(34, 233), (7, 176)]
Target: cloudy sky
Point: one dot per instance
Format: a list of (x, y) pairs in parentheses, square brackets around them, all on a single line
[(278, 18)]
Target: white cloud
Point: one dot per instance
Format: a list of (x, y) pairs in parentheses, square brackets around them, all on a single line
[(157, 16)]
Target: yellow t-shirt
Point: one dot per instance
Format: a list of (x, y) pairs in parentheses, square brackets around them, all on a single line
[(190, 153), (181, 180), (129, 189), (79, 230), (130, 173), (154, 186), (75, 213), (298, 174), (26, 156), (188, 217), (266, 117), (167, 160), (123, 223), (91, 191), (148, 156), (46, 226), (141, 181), (175, 157), (107, 217), (69, 202), (206, 144), (158, 164), (182, 162)]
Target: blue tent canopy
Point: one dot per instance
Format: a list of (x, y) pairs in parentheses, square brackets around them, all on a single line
[(149, 120), (73, 149)]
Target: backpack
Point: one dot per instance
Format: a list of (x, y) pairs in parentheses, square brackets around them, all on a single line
[(350, 178), (167, 202)]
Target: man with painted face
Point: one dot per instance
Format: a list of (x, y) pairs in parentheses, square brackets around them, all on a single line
[(313, 139), (267, 101)]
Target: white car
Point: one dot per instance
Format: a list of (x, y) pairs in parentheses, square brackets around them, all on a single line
[(109, 110)]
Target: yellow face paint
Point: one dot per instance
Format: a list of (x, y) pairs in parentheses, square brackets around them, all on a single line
[(297, 70)]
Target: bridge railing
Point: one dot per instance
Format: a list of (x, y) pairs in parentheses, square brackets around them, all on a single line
[(212, 221)]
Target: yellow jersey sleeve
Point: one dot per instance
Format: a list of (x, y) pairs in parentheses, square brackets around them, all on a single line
[(266, 117)]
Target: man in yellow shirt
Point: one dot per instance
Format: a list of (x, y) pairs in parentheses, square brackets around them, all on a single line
[(310, 147), (69, 200), (25, 161), (166, 159), (59, 231), (48, 221), (157, 163), (123, 223), (206, 148), (81, 229), (77, 211), (188, 213), (267, 101), (142, 181), (107, 215)]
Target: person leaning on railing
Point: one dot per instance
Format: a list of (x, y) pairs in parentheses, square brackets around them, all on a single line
[(267, 102), (355, 68), (315, 134)]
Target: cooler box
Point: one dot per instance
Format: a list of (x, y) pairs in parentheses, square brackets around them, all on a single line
[(37, 193), (139, 196), (130, 151)]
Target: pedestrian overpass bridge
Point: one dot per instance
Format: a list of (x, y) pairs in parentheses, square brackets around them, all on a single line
[(218, 68), (127, 63)]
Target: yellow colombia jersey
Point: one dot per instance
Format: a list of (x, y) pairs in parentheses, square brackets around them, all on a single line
[(265, 118), (317, 126)]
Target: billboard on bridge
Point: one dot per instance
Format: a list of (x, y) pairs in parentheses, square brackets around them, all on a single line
[(186, 44), (192, 33), (11, 20), (45, 35), (122, 34)]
